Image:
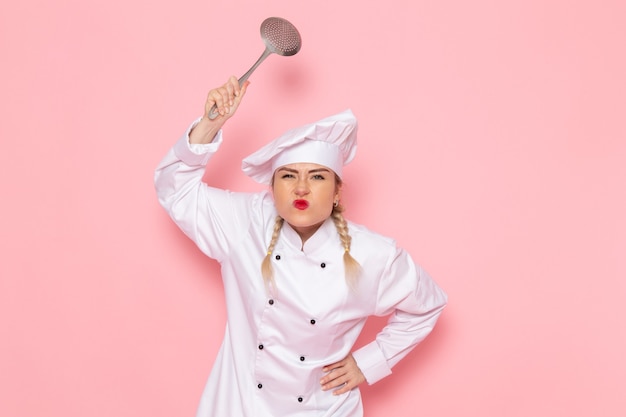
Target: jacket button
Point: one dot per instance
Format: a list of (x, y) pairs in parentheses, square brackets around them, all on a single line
[(312, 321), (278, 257), (260, 386), (261, 347), (301, 358), (323, 265), (300, 399), (271, 302)]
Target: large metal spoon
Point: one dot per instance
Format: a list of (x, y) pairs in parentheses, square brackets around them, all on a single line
[(280, 37)]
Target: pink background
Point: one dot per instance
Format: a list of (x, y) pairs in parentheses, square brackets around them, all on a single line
[(493, 147)]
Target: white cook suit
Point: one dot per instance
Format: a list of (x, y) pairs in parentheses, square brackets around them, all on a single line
[(274, 347)]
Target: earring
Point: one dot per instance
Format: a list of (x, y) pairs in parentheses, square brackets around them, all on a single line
[(336, 203)]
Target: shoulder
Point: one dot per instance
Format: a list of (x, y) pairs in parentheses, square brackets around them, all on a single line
[(255, 200), (260, 208), (256, 208), (365, 239)]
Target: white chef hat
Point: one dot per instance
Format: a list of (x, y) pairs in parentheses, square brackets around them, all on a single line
[(330, 142)]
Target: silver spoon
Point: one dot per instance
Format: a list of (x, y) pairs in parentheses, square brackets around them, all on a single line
[(280, 37)]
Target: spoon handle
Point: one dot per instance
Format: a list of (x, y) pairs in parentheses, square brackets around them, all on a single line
[(213, 112)]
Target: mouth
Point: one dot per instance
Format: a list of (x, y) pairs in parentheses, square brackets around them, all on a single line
[(301, 204)]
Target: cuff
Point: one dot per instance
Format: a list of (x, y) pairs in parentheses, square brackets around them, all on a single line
[(196, 153), (372, 362)]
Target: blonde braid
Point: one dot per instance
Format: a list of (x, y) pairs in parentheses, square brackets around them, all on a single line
[(266, 265), (353, 269)]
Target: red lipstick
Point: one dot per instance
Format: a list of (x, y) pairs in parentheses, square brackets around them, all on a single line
[(301, 204)]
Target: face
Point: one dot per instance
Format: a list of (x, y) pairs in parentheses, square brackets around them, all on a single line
[(304, 195)]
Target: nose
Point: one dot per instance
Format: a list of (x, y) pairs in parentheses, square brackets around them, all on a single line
[(302, 188)]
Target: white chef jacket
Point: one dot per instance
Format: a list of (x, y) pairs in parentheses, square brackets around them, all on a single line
[(274, 347)]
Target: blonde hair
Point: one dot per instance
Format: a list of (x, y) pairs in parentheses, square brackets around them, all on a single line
[(352, 267), (266, 265)]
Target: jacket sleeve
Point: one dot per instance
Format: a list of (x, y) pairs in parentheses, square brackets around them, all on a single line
[(213, 218), (413, 302)]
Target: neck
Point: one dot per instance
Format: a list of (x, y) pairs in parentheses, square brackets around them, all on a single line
[(306, 232)]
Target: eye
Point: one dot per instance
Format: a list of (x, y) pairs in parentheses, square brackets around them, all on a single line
[(287, 175), (318, 177)]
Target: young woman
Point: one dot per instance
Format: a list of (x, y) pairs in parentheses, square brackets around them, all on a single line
[(299, 279)]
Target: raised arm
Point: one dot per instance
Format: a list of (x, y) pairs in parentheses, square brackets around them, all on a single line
[(199, 210), (227, 99)]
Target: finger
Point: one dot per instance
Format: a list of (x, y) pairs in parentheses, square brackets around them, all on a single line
[(343, 389), (343, 383), (234, 86), (344, 377), (239, 97), (230, 93), (222, 97), (337, 383), (333, 373), (243, 88), (333, 366), (208, 104), (214, 98), (334, 379), (225, 101)]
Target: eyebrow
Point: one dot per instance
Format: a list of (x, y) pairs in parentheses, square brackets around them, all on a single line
[(314, 170)]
